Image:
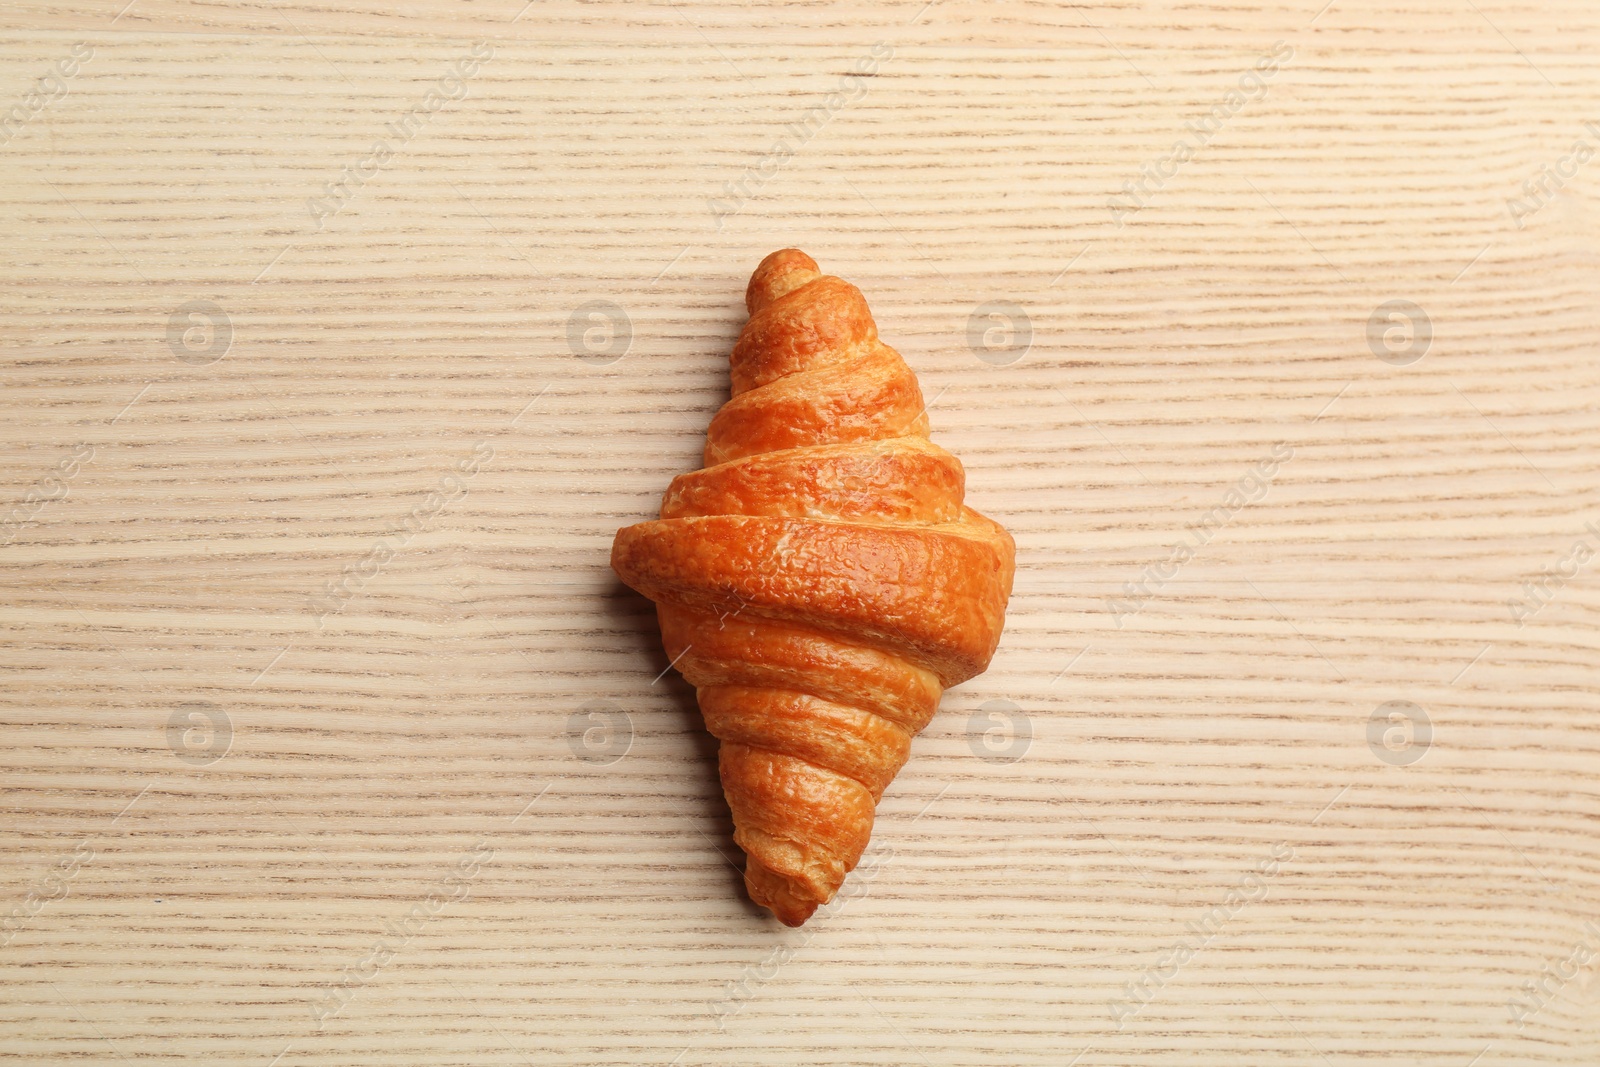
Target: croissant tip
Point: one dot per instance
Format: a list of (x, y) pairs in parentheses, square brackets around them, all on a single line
[(780, 895), (789, 257), (780, 272)]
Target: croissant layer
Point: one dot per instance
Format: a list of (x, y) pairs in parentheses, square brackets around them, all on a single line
[(819, 581), (747, 650), (904, 480), (933, 594)]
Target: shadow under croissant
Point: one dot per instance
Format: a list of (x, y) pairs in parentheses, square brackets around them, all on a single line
[(633, 618)]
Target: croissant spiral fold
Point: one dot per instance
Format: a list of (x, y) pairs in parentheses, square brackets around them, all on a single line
[(819, 581)]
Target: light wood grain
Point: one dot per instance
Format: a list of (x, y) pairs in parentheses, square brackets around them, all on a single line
[(204, 908)]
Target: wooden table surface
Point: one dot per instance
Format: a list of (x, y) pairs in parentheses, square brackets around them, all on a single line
[(339, 340)]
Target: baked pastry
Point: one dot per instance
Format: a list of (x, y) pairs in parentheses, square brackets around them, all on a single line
[(818, 581)]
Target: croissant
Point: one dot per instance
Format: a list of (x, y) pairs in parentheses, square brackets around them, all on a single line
[(819, 581)]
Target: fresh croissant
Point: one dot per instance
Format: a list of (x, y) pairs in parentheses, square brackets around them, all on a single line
[(819, 581)]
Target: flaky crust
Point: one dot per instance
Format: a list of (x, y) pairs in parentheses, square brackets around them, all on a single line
[(819, 581)]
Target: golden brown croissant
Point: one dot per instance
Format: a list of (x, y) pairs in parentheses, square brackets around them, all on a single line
[(819, 581)]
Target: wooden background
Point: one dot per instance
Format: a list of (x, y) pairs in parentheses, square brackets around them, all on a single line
[(465, 818)]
